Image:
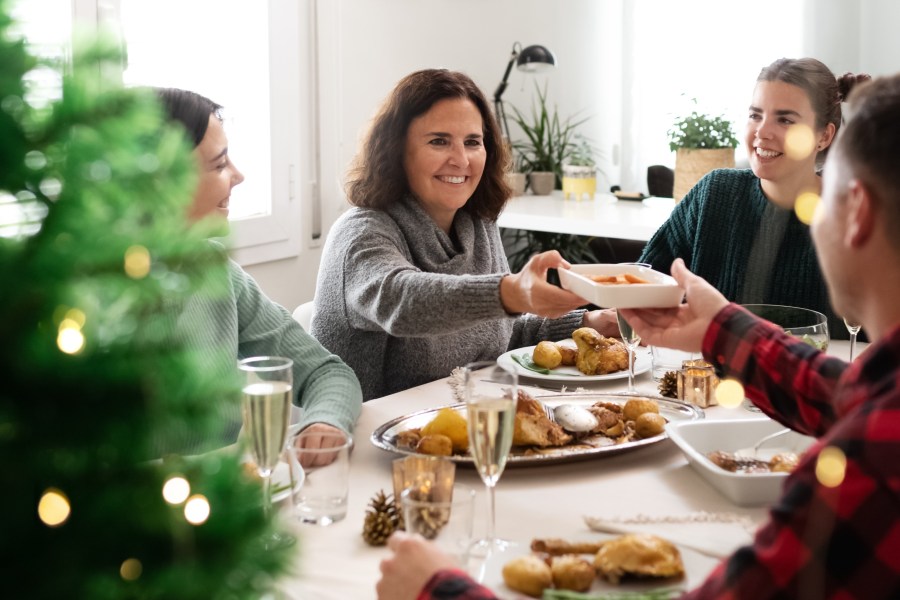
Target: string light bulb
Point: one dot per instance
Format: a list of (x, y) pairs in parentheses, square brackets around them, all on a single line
[(176, 490), (54, 508), (196, 509), (730, 393)]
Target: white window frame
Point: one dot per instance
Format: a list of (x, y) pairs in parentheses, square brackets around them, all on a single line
[(294, 154)]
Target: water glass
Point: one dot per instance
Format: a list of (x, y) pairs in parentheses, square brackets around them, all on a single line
[(322, 499), (668, 359), (446, 521)]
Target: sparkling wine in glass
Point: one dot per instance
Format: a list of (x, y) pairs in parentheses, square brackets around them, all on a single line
[(853, 328), (491, 411), (631, 340), (266, 413)]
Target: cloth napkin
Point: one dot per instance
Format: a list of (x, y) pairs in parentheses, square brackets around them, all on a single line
[(714, 534)]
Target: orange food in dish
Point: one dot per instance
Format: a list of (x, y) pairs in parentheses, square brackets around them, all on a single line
[(623, 278)]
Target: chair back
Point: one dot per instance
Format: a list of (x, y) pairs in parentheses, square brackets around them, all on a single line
[(303, 315)]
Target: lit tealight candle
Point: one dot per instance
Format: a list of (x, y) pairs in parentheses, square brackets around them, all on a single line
[(696, 383)]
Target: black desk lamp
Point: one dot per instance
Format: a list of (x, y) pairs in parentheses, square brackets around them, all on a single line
[(530, 59)]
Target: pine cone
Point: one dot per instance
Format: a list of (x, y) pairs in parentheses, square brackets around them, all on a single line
[(382, 519), (377, 529), (668, 385)]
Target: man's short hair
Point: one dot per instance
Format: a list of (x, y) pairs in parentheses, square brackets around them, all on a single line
[(869, 143)]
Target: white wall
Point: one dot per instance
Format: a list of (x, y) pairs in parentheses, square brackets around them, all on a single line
[(367, 45), (879, 40)]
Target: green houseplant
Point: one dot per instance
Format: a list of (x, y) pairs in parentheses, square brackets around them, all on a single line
[(550, 141), (701, 143)]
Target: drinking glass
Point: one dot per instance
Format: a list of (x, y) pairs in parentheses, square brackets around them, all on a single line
[(811, 326), (325, 458), (631, 340), (491, 419), (629, 337), (853, 328), (266, 410)]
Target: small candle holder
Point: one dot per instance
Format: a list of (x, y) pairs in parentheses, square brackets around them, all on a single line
[(697, 382)]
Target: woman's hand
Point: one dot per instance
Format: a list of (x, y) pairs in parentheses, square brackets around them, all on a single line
[(319, 441), (414, 561), (684, 326), (528, 290), (604, 321)]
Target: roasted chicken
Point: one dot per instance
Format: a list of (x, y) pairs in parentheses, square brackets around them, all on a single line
[(598, 355), (534, 427)]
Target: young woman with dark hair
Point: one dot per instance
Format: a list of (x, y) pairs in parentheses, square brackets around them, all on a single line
[(737, 227), (245, 320)]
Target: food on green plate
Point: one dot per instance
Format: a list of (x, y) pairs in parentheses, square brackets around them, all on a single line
[(572, 572), (598, 355), (638, 555), (547, 355), (525, 361), (527, 574)]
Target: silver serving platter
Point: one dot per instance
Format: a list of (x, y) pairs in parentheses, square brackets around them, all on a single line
[(385, 436)]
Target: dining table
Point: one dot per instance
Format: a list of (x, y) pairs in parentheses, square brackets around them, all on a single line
[(653, 484), (603, 216)]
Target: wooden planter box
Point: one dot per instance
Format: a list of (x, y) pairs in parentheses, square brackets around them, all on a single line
[(691, 164)]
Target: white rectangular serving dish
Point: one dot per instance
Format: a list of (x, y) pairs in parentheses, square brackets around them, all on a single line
[(697, 438), (661, 292)]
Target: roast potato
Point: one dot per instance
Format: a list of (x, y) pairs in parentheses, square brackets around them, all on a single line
[(435, 444), (635, 407), (569, 352), (527, 574), (649, 424), (450, 423), (547, 355), (572, 572)]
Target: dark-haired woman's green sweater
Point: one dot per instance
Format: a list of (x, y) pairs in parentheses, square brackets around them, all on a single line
[(713, 229)]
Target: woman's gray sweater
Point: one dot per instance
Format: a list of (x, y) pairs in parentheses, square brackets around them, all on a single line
[(403, 303)]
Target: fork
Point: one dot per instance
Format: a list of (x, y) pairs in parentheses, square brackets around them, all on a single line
[(768, 438)]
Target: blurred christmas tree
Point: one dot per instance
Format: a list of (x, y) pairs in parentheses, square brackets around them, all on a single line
[(96, 261)]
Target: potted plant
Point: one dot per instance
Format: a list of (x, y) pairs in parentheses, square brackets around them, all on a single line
[(580, 172), (701, 143), (549, 142)]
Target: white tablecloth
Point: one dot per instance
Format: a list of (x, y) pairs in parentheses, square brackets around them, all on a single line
[(547, 501)]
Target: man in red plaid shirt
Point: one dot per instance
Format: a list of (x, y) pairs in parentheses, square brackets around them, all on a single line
[(834, 538)]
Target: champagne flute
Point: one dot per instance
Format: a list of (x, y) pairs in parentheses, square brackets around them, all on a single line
[(491, 420), (266, 413), (631, 340), (853, 328), (629, 337)]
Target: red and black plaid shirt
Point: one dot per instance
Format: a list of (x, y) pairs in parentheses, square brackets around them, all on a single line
[(820, 542)]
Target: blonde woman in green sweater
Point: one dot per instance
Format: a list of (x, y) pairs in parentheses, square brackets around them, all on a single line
[(245, 320)]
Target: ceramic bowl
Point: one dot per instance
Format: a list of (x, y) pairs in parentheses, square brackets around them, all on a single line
[(661, 290), (697, 438)]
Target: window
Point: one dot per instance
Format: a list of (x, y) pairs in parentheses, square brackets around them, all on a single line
[(252, 58), (703, 49)]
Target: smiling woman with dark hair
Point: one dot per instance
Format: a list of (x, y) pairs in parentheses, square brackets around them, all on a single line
[(246, 321), (414, 281)]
